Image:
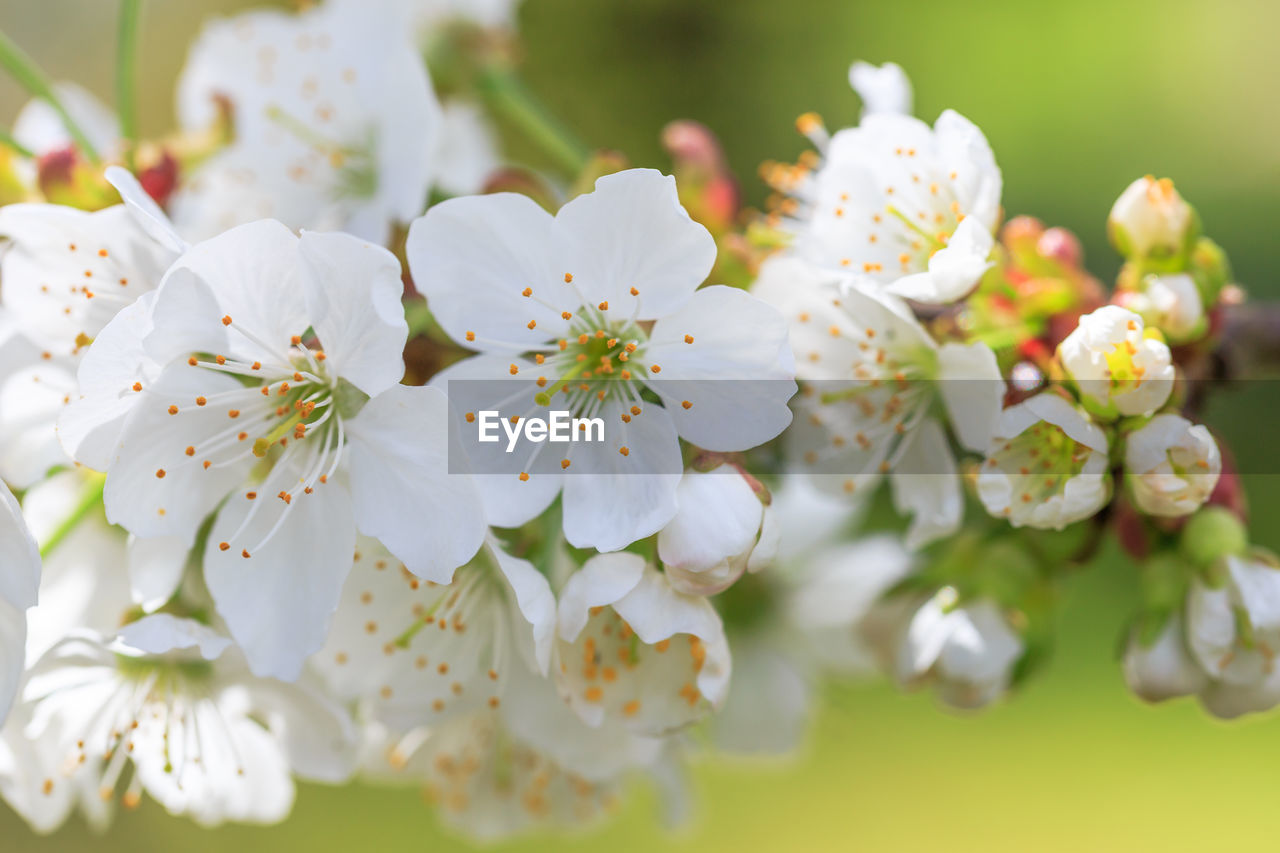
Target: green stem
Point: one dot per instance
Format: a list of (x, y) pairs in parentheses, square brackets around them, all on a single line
[(126, 65), (8, 141), (508, 97), (90, 499), (28, 75)]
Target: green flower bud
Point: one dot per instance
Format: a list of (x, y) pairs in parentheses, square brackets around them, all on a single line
[(1211, 534)]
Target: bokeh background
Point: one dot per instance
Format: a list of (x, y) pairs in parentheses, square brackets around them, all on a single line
[(1077, 99)]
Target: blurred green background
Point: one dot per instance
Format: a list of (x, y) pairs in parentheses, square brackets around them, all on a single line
[(1077, 99)]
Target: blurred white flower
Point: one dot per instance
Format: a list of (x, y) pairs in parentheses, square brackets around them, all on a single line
[(1164, 668), (68, 272), (968, 649), (882, 88), (1171, 465), (566, 302), (721, 529), (875, 374), (170, 699), (1150, 218), (1047, 466), (84, 582), (911, 207), (1233, 630), (228, 398), (335, 122), (468, 152), (414, 651), (1118, 367), (633, 649), (1170, 303), (19, 582)]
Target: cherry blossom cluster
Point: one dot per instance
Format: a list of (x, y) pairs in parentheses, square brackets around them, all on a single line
[(246, 542)]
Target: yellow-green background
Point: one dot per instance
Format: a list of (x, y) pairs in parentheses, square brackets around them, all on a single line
[(1077, 98)]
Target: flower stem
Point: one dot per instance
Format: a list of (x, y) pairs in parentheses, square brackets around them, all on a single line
[(28, 75), (508, 97), (126, 66), (90, 499), (9, 142)]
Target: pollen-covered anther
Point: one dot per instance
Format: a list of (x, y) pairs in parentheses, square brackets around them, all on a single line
[(200, 401), (513, 369), (224, 546), (226, 320), (470, 336), (603, 306), (528, 291), (173, 410), (524, 477), (656, 368), (160, 474), (245, 553), (286, 497), (564, 463), (624, 450), (687, 404)]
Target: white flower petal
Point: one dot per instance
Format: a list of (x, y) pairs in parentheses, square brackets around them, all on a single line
[(926, 485), (883, 89), (621, 498), (474, 257), (973, 389), (719, 517), (146, 213), (954, 270), (731, 372), (632, 232), (155, 488), (161, 633), (278, 602), (402, 491), (155, 569), (353, 292)]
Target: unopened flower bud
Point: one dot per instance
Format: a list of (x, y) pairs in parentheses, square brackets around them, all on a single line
[(1170, 303), (1212, 534), (1150, 219), (1119, 368), (1162, 668), (1171, 465)]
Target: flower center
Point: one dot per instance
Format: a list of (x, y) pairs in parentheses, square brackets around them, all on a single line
[(1040, 460)]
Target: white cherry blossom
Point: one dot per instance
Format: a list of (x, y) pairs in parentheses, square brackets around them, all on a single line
[(335, 122), (167, 707), (968, 649), (67, 272), (1119, 368), (1171, 465), (1047, 465), (874, 374), (219, 389), (414, 651), (1233, 631), (595, 307), (633, 649), (911, 207)]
